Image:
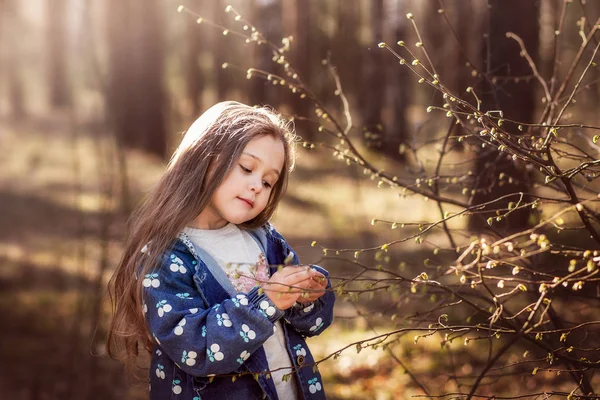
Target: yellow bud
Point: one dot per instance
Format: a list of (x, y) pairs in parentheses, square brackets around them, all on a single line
[(563, 337), (591, 266)]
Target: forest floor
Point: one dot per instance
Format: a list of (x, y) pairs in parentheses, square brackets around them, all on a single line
[(61, 228)]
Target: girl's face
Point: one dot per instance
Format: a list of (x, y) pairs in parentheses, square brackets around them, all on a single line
[(246, 190)]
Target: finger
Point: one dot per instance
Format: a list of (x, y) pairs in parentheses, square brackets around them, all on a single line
[(287, 286), (321, 281), (298, 277), (300, 285), (313, 292), (296, 269), (310, 298), (315, 284), (287, 271)]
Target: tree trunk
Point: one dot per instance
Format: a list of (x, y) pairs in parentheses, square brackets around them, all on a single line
[(58, 33), (194, 81), (321, 40), (501, 57), (268, 22), (346, 49), (11, 28), (135, 90), (394, 133), (374, 83), (436, 37), (3, 58), (220, 77), (297, 17), (592, 12), (465, 56)]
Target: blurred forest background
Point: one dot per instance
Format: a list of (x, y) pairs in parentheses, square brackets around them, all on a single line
[(94, 96)]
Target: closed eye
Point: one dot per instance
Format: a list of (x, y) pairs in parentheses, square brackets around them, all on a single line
[(267, 185), (246, 170)]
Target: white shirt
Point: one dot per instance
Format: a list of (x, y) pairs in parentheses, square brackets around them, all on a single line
[(238, 254)]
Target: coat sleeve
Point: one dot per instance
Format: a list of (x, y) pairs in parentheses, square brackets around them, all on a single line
[(203, 340), (313, 318)]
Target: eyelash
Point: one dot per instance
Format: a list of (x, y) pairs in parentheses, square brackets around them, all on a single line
[(248, 171)]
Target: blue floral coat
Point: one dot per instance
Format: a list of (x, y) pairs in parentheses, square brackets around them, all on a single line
[(208, 338)]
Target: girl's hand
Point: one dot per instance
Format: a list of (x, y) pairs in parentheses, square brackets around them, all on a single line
[(286, 285), (315, 289)]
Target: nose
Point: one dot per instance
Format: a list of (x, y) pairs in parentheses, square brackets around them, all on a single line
[(255, 185)]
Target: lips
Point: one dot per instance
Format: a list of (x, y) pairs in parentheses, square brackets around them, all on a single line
[(249, 202)]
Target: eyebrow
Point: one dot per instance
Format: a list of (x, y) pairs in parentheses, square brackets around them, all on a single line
[(258, 159)]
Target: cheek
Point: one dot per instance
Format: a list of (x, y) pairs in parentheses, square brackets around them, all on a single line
[(223, 192), (264, 199), (231, 182)]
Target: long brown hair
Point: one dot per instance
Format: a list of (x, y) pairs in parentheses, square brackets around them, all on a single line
[(213, 143)]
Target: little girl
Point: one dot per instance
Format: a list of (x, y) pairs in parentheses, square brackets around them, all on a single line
[(208, 286)]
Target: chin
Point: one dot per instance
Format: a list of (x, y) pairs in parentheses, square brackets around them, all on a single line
[(240, 220)]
